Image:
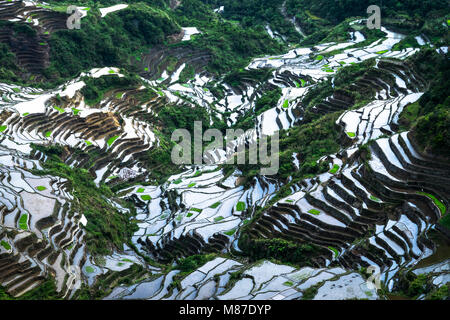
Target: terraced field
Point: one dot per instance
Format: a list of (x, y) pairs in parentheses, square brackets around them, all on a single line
[(41, 233), (374, 207)]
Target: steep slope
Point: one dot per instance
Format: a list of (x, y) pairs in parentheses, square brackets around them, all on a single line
[(91, 201)]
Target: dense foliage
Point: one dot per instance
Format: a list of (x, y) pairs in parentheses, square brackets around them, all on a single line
[(411, 285), (231, 45), (258, 12), (337, 11), (278, 249), (431, 121), (109, 41)]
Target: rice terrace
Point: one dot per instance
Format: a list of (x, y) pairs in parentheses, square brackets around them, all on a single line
[(352, 119)]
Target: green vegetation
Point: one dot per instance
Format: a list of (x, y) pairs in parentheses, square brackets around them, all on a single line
[(278, 249), (106, 282), (172, 117), (215, 205), (412, 286), (95, 88), (335, 251), (267, 101), (23, 221), (230, 232), (409, 115), (374, 198), (257, 14), (111, 140), (41, 188), (436, 201), (310, 293), (5, 245), (240, 206), (138, 26), (107, 41), (431, 129), (197, 174), (441, 293), (194, 262), (45, 291), (119, 95), (408, 42), (331, 13), (314, 212), (310, 141), (230, 45), (8, 66), (61, 110), (288, 283), (107, 228), (227, 43), (89, 269), (159, 163), (445, 221), (334, 169), (187, 73)]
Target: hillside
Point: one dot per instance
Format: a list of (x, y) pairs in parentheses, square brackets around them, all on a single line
[(92, 205)]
